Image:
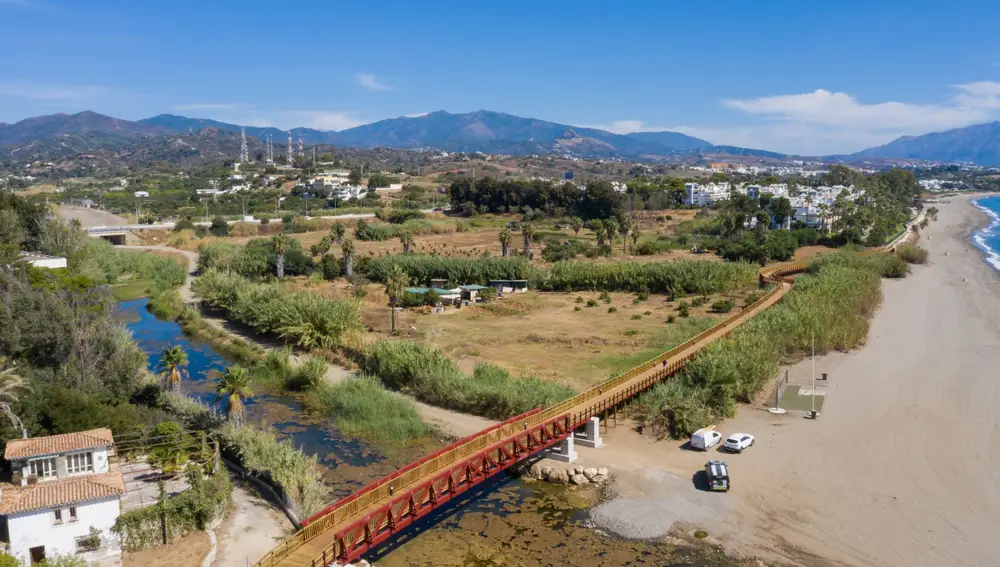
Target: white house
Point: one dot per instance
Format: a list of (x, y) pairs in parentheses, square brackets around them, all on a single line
[(141, 194), (63, 498)]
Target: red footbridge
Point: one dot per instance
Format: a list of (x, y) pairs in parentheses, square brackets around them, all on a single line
[(356, 525)]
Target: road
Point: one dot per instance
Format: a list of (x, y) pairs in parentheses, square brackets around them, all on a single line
[(93, 227)]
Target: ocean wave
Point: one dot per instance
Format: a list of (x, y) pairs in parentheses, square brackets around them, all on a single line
[(981, 238)]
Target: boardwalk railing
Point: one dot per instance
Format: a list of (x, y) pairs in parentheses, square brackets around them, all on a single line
[(577, 410)]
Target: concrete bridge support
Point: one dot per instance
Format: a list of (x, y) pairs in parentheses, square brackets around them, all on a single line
[(591, 437), (564, 451)]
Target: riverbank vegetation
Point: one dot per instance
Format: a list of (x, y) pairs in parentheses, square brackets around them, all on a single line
[(832, 304), (362, 407), (308, 320), (431, 377)]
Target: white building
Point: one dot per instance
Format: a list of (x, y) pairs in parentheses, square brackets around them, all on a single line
[(63, 498), (43, 261), (141, 194)]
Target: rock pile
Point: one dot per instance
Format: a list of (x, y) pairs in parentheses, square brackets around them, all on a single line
[(576, 475)]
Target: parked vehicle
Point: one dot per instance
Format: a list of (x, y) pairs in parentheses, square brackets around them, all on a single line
[(738, 442), (706, 438), (717, 473)]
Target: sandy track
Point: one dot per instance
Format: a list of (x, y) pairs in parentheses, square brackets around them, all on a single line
[(90, 217)]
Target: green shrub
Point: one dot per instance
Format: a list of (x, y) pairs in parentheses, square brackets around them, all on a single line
[(591, 303), (605, 297), (431, 377), (374, 231), (576, 308), (579, 299), (111, 265), (219, 227), (642, 295), (912, 254), (329, 266), (612, 309), (683, 311), (723, 306), (635, 317), (671, 319)]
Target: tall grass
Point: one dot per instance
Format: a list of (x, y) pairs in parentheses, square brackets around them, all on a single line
[(116, 266), (309, 320), (658, 343), (912, 254), (431, 377), (422, 268), (832, 303), (260, 451), (362, 407), (678, 277)]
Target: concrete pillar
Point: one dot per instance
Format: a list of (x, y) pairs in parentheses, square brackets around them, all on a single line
[(564, 451), (592, 437)]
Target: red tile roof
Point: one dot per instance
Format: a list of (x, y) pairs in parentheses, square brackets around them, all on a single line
[(55, 444), (63, 492)]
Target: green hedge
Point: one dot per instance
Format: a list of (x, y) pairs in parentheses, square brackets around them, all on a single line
[(194, 509), (678, 276), (362, 407), (423, 267)]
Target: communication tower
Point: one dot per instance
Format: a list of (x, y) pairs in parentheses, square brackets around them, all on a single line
[(244, 152), (290, 159), (301, 153)]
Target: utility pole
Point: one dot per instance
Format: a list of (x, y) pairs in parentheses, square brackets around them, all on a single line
[(813, 412)]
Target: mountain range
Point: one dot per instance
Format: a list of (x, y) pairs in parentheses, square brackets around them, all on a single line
[(168, 136), (484, 131)]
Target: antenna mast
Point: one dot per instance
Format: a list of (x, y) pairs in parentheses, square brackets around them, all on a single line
[(290, 160), (244, 152), (301, 153)]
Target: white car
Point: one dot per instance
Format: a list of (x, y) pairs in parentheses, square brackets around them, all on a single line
[(737, 442)]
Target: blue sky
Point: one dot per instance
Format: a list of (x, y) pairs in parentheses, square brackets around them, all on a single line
[(794, 76)]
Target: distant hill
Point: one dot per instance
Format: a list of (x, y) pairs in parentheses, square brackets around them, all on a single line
[(497, 132), (979, 144), (183, 124), (82, 123)]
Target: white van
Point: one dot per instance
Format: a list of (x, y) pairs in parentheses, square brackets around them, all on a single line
[(706, 438)]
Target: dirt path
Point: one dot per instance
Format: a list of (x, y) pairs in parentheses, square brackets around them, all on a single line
[(249, 532), (903, 466)]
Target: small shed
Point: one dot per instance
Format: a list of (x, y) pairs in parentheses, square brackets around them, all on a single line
[(451, 296), (509, 286), (439, 283), (471, 292)]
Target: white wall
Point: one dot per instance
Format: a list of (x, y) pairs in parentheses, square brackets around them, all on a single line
[(52, 263), (32, 529), (100, 463)]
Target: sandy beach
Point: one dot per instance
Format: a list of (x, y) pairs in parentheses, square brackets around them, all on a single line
[(903, 466)]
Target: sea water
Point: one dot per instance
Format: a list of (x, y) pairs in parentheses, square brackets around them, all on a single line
[(987, 238)]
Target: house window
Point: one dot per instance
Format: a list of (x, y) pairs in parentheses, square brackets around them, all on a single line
[(90, 542), (43, 468), (80, 463), (58, 514), (72, 513)]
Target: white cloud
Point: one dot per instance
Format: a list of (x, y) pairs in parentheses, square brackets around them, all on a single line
[(52, 93), (370, 82), (214, 107), (823, 122), (416, 115)]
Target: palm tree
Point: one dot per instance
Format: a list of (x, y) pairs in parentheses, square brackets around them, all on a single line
[(348, 249), (395, 283), (505, 237), (598, 227), (625, 226), (611, 228), (406, 239), (338, 230), (234, 387), (635, 238), (172, 366), (528, 232), (281, 244), (576, 223), (11, 386)]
